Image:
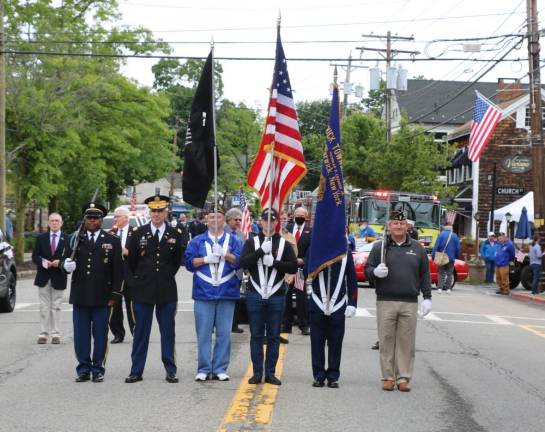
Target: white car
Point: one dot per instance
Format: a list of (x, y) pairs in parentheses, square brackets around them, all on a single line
[(134, 221)]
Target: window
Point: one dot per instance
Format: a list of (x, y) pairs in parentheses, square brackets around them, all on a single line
[(527, 117)]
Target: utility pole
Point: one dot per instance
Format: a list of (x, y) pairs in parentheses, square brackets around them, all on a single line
[(2, 122), (389, 55), (536, 122), (349, 69)]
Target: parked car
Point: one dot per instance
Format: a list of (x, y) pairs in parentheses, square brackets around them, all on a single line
[(8, 276), (520, 271), (134, 221), (461, 269)]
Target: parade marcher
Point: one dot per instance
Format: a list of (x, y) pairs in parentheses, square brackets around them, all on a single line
[(267, 259), (366, 232), (505, 253), (302, 233), (488, 254), (327, 318), (197, 226), (216, 289), (351, 240), (97, 283), (155, 255), (412, 230), (122, 230), (51, 249), (233, 219), (536, 256), (400, 272), (448, 243)]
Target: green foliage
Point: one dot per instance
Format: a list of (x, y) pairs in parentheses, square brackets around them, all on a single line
[(313, 117), (374, 102)]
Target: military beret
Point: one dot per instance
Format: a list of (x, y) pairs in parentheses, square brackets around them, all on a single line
[(273, 213), (398, 215)]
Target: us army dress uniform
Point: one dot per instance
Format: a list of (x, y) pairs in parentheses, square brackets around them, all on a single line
[(154, 260), (96, 285), (327, 318)]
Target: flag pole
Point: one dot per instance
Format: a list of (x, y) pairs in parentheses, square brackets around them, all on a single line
[(213, 112)]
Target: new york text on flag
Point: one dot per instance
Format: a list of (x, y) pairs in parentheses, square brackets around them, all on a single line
[(486, 117), (287, 162)]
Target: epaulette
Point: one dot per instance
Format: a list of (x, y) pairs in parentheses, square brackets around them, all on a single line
[(179, 230), (135, 228)]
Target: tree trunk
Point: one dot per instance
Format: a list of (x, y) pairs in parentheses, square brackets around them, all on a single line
[(53, 206), (20, 207)]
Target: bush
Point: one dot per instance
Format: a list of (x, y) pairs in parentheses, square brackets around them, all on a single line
[(30, 241)]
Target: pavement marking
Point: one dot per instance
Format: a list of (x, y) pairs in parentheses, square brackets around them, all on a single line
[(432, 317), (533, 329), (498, 320), (364, 313), (23, 305), (252, 406)]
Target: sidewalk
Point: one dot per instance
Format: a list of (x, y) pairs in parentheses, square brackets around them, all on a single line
[(529, 297)]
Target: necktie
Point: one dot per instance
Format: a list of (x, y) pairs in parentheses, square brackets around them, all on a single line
[(121, 237), (156, 237), (53, 243), (298, 234), (92, 239)]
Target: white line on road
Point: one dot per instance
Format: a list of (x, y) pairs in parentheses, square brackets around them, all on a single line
[(364, 313), (23, 305), (432, 317), (498, 320)]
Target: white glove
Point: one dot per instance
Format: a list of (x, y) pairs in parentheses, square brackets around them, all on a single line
[(425, 308), (381, 271), (268, 260), (266, 246), (211, 259), (69, 265), (217, 250), (350, 312)]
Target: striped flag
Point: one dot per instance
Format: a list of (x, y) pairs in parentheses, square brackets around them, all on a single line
[(451, 217), (486, 117), (246, 226), (281, 128)]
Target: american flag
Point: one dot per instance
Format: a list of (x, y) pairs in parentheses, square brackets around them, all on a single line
[(133, 199), (451, 217), (281, 128), (485, 119), (246, 226)]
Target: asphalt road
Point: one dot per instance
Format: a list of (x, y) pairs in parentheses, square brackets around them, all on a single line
[(479, 367)]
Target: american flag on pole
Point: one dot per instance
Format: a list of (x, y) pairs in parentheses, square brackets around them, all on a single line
[(281, 134), (246, 226), (133, 199), (451, 217), (486, 117)]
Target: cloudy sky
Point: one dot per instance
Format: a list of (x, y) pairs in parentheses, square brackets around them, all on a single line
[(321, 29)]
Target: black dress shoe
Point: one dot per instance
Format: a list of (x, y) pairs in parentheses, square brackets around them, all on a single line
[(98, 377), (256, 379), (133, 378), (285, 330), (83, 377), (317, 383), (271, 379), (171, 378), (117, 340), (333, 384), (375, 346), (284, 340), (237, 330), (305, 331)]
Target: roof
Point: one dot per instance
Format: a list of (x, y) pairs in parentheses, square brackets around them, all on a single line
[(422, 96)]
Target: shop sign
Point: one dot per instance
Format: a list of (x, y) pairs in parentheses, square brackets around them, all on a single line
[(517, 164)]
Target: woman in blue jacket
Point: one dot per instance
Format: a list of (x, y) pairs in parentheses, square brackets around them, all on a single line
[(488, 254), (449, 243)]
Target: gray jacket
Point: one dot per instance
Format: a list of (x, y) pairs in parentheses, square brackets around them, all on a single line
[(408, 271)]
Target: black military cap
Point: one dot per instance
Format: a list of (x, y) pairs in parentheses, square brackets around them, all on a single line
[(265, 214), (157, 202), (94, 209), (398, 215)]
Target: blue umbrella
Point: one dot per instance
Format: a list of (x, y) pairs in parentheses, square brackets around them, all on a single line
[(524, 230)]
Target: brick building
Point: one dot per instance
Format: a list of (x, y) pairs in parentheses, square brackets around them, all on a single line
[(509, 150)]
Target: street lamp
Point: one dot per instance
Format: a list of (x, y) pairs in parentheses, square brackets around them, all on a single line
[(508, 219)]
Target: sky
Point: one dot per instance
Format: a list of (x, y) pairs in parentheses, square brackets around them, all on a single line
[(305, 24)]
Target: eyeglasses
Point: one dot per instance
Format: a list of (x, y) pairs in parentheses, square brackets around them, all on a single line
[(238, 220), (156, 210)]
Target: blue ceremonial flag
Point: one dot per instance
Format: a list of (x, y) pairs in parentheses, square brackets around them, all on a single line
[(328, 242)]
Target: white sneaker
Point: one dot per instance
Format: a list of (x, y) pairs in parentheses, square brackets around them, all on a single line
[(439, 291), (200, 377), (449, 291), (223, 377)]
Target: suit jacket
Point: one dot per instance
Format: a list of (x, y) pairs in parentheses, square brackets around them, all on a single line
[(98, 277), (42, 250), (154, 266), (127, 275), (304, 241)]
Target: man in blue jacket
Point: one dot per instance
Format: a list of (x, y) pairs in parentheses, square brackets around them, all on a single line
[(449, 243), (505, 253), (214, 257), (488, 254)]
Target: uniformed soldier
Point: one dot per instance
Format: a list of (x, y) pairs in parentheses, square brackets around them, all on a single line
[(334, 297), (155, 254), (96, 287)]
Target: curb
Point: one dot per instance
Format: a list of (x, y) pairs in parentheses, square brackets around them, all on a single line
[(528, 298)]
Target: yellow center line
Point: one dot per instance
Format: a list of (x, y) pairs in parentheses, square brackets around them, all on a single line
[(252, 406), (534, 330)]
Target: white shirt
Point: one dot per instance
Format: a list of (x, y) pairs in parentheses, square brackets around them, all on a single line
[(96, 234), (298, 228), (122, 234), (161, 230)]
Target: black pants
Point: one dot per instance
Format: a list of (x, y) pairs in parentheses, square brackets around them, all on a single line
[(301, 307), (326, 330), (116, 322)]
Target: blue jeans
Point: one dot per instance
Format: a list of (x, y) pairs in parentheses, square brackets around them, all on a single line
[(264, 315), (210, 314), (536, 271), (490, 270)]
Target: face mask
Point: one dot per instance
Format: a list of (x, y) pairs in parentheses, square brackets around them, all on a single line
[(299, 220)]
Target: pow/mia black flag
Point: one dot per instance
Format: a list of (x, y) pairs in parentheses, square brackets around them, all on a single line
[(198, 173)]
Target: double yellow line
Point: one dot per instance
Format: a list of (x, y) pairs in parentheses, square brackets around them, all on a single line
[(252, 406)]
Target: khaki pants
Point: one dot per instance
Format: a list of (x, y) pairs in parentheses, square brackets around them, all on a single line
[(502, 278), (50, 309), (396, 322)]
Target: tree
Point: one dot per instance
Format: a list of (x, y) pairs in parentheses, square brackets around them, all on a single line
[(374, 102), (313, 116)]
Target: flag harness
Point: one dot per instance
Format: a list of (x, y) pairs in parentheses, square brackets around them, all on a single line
[(326, 302), (217, 269), (266, 287)]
